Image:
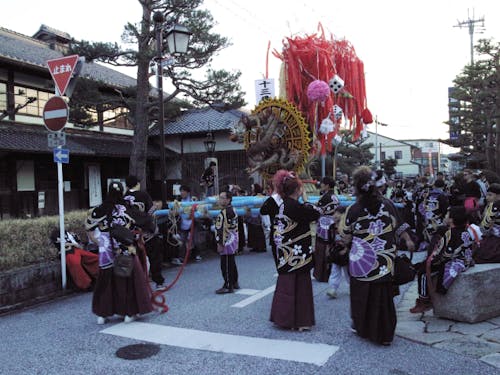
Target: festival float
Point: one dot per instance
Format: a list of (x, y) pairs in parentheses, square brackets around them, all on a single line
[(322, 92)]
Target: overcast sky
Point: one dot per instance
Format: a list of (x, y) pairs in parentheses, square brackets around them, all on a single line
[(411, 49)]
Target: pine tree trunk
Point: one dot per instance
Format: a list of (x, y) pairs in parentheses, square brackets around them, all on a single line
[(138, 156), (490, 149)]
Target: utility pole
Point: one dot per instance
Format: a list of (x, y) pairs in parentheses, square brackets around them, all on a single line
[(378, 154), (471, 25)]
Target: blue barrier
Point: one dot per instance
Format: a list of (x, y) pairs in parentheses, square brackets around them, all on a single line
[(208, 207)]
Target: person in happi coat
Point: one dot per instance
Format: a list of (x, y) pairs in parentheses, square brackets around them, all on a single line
[(326, 206), (270, 209), (124, 296), (153, 243), (451, 256), (371, 227), (256, 239), (433, 210), (489, 251), (226, 227), (293, 304)]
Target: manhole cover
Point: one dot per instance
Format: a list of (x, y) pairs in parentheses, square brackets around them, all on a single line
[(138, 351)]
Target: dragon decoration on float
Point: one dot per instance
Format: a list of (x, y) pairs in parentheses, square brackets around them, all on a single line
[(322, 87), (275, 136)]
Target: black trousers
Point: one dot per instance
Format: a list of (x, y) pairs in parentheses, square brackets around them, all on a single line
[(229, 270), (154, 251)]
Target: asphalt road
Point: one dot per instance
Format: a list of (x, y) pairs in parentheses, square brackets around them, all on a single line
[(205, 333)]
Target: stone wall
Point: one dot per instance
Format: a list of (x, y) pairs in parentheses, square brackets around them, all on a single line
[(30, 285)]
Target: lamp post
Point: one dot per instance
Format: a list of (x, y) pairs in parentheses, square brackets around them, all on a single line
[(209, 144), (178, 40)]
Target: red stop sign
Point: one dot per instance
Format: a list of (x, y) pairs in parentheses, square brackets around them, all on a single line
[(55, 114)]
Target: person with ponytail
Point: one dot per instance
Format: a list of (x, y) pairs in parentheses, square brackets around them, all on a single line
[(116, 295), (371, 228), (293, 304)]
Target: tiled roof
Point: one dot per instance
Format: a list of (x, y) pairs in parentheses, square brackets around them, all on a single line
[(201, 121), (25, 50), (44, 29), (33, 139)]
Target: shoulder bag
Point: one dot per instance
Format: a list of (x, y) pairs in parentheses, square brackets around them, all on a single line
[(404, 270), (123, 263)]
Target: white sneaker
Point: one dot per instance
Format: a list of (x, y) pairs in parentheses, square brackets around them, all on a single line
[(331, 293), (176, 262), (101, 320), (128, 319), (198, 258)]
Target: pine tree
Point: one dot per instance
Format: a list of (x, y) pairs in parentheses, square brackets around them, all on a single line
[(217, 86)]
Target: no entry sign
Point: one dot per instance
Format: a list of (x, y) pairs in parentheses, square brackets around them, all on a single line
[(55, 114)]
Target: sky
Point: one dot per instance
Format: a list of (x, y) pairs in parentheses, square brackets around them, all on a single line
[(411, 50)]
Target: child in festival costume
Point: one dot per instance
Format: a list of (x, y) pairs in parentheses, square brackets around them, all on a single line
[(338, 254), (326, 207), (83, 265), (452, 255), (226, 226)]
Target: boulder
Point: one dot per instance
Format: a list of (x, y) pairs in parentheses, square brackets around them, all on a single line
[(473, 297)]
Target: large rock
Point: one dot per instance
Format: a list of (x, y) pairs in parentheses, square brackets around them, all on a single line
[(473, 297)]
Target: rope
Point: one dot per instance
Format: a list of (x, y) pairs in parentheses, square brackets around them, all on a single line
[(158, 298)]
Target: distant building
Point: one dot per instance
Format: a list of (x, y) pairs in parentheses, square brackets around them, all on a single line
[(390, 148), (429, 156)]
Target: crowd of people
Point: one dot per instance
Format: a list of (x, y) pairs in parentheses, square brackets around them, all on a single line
[(456, 221)]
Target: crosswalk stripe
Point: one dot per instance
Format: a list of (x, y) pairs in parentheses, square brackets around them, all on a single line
[(247, 292), (255, 297), (316, 354)]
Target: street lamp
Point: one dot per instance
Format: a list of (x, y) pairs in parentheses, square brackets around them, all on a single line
[(178, 40), (209, 143)]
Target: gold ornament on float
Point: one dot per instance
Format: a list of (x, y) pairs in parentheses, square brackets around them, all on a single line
[(275, 136)]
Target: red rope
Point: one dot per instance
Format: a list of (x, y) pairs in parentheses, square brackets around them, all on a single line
[(158, 298)]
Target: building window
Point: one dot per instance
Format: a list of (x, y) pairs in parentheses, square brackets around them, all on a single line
[(117, 118), (3, 96), (22, 95), (398, 155), (382, 155), (25, 175)]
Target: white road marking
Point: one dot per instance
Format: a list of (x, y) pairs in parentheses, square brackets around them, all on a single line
[(247, 292), (316, 354), (255, 297)]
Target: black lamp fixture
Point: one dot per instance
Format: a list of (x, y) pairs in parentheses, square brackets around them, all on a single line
[(178, 39), (209, 143)]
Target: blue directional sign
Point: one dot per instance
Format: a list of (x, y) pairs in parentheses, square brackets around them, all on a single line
[(61, 155)]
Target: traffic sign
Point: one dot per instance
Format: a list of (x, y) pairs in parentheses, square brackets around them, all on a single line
[(56, 139), (61, 71), (61, 155), (55, 114)]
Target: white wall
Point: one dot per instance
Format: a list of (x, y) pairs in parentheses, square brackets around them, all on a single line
[(390, 146)]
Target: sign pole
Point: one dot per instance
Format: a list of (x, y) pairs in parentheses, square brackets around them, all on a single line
[(60, 188), (55, 116)]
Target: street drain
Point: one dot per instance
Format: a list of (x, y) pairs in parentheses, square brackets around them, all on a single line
[(137, 351)]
